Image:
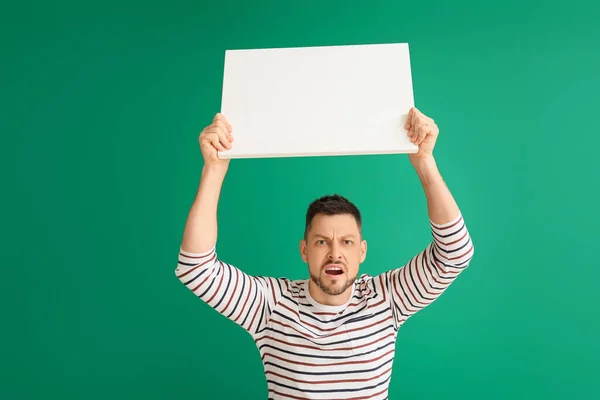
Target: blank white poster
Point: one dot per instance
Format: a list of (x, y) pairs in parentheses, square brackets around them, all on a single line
[(318, 101)]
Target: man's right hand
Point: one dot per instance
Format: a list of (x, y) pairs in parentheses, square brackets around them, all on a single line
[(216, 137)]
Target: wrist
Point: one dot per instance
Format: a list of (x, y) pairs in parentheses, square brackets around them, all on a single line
[(423, 162), (219, 170), (426, 169), (211, 182), (213, 175)]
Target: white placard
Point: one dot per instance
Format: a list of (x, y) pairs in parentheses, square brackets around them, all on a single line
[(318, 101)]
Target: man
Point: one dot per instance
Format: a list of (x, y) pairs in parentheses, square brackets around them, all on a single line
[(331, 336)]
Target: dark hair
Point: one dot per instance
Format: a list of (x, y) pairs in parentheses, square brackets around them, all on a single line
[(331, 205)]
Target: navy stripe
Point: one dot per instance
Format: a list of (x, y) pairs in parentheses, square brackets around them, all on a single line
[(370, 316), (387, 282), (366, 317), (226, 291), (419, 296), (340, 318), (440, 273), (450, 266), (454, 233), (304, 390), (427, 262), (202, 272), (239, 296), (403, 291), (276, 312), (333, 371), (398, 307), (210, 283), (262, 314), (327, 357), (453, 250), (280, 287), (251, 305), (286, 334), (188, 264), (321, 344), (412, 278)]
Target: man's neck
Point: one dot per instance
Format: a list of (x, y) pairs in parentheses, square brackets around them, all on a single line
[(326, 299)]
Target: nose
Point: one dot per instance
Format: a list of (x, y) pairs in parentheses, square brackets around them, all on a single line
[(335, 253)]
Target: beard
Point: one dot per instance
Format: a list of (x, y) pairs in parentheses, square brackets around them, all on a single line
[(332, 289)]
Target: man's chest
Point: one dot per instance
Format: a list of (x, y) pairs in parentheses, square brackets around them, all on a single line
[(358, 333)]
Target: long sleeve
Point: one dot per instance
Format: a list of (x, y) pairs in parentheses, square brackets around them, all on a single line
[(427, 275), (246, 300)]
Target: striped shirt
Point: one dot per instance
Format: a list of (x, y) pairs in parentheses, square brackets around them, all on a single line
[(314, 351)]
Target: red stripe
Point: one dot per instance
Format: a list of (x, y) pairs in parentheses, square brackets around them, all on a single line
[(331, 314), (285, 395), (407, 286), (382, 283), (183, 253), (260, 301), (462, 255), (426, 262), (273, 292), (232, 295), (436, 226), (396, 283), (425, 287), (218, 286), (341, 332), (295, 362), (465, 232), (208, 276), (305, 346), (197, 266), (330, 381), (443, 269), (246, 301)]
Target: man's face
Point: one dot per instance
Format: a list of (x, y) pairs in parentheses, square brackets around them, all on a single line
[(333, 251)]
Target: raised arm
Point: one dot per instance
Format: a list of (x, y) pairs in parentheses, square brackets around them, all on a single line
[(427, 275), (246, 300)]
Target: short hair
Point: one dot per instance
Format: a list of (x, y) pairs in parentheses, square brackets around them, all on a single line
[(334, 204)]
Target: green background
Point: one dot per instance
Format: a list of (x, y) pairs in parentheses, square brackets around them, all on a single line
[(101, 106)]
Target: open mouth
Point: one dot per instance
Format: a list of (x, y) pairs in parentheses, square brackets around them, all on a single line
[(334, 271)]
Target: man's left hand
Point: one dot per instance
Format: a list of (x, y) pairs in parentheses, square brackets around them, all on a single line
[(422, 131)]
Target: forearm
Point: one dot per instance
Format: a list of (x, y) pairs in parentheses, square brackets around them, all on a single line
[(200, 233), (441, 206), (246, 300)]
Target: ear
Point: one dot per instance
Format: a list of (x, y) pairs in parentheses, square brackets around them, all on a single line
[(303, 252), (363, 250)]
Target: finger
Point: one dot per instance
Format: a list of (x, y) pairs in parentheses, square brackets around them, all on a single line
[(221, 124), (222, 118), (221, 135), (211, 136), (423, 132), (415, 117), (224, 138), (214, 140), (414, 133), (407, 124)]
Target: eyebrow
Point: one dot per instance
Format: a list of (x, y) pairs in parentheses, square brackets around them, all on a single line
[(349, 235)]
